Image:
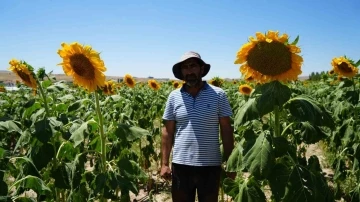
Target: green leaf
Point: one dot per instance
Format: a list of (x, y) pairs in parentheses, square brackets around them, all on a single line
[(75, 106), (29, 111), (99, 183), (61, 176), (42, 155), (32, 182), (24, 199), (66, 98), (355, 193), (346, 83), (273, 93), (129, 132), (231, 187), (247, 112), (296, 40), (115, 98), (10, 127), (260, 158), (278, 180), (23, 140), (46, 83), (77, 134), (304, 108), (78, 104), (352, 97), (46, 128), (29, 103), (282, 147), (311, 134), (250, 191), (357, 64), (57, 87), (322, 190), (234, 163)]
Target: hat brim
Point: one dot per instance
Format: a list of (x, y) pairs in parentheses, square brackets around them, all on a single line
[(177, 70)]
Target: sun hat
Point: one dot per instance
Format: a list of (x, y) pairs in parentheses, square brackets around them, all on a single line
[(188, 55)]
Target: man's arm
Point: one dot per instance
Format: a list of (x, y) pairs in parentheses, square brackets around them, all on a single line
[(167, 141), (227, 136)]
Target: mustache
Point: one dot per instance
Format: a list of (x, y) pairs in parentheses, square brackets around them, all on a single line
[(191, 76)]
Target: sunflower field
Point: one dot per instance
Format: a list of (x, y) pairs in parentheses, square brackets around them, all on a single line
[(99, 140)]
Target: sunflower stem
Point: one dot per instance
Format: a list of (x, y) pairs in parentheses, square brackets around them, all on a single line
[(287, 127), (102, 138), (355, 111), (102, 135), (44, 98), (43, 95), (277, 121)]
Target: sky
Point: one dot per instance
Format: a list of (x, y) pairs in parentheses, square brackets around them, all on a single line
[(146, 38)]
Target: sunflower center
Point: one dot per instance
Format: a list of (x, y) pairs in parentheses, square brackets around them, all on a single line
[(82, 66), (246, 90), (129, 81), (176, 85), (270, 58), (25, 77), (345, 67), (153, 85)]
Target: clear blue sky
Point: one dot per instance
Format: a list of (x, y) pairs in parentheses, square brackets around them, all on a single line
[(145, 38)]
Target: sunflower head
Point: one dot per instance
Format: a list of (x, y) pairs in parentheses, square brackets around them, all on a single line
[(234, 82), (129, 81), (245, 89), (331, 72), (108, 88), (344, 67), (2, 89), (24, 71), (83, 64), (270, 57), (176, 84), (216, 81), (153, 84)]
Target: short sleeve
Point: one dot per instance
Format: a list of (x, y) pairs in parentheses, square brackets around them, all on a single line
[(224, 105), (169, 109)]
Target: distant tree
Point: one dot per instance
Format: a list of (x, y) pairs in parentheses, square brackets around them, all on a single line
[(316, 76)]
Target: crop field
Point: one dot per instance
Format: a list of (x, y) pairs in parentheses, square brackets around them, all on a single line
[(95, 139)]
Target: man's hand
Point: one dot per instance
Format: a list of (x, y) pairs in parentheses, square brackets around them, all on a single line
[(165, 172)]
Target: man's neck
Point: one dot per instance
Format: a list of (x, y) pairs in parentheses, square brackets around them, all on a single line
[(194, 90)]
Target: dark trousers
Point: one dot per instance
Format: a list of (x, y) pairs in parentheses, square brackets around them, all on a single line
[(186, 180)]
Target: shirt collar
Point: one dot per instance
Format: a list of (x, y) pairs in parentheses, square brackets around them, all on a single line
[(205, 86)]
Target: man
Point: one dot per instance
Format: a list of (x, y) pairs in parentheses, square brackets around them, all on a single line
[(192, 118)]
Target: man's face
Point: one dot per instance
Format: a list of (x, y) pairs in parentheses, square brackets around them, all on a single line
[(192, 71)]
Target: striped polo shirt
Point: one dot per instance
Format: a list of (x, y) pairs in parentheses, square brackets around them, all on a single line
[(196, 140)]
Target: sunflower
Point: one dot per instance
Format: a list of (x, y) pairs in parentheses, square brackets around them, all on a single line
[(331, 72), (270, 57), (108, 88), (216, 81), (176, 84), (129, 80), (153, 84), (245, 89), (83, 64), (342, 66), (234, 82), (24, 71), (2, 89)]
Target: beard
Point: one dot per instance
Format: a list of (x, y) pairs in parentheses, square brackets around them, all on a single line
[(192, 80)]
